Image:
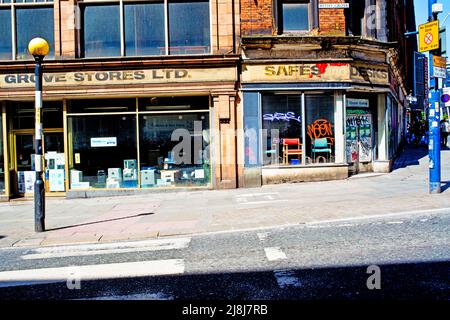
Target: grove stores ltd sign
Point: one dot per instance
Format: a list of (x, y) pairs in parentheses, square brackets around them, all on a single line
[(129, 77), (317, 72)]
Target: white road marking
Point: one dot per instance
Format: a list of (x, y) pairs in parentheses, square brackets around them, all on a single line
[(91, 272), (286, 278), (274, 253), (107, 248), (394, 222), (262, 235)]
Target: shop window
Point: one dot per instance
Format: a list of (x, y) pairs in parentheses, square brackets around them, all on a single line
[(294, 15), (189, 27), (144, 29), (5, 34), (104, 153), (41, 15), (101, 32), (174, 149), (319, 121), (173, 144), (149, 28), (282, 124)]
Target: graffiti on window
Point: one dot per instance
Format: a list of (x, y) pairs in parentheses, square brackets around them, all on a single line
[(278, 116), (321, 128)]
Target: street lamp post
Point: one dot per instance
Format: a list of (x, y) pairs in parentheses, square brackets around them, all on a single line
[(38, 48)]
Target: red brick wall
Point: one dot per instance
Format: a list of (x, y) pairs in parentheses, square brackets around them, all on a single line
[(332, 21), (256, 17)]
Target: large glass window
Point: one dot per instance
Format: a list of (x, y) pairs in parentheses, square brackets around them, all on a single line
[(5, 34), (189, 27), (282, 129), (34, 19), (295, 15), (320, 127), (149, 28), (101, 31), (173, 147), (144, 29), (104, 153), (291, 136)]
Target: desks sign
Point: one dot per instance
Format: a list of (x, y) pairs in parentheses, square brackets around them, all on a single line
[(429, 36)]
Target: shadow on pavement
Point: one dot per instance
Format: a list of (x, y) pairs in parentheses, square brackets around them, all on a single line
[(419, 280), (410, 156), (102, 221)]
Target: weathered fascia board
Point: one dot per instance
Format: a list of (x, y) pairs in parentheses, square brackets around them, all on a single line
[(321, 41), (53, 65)]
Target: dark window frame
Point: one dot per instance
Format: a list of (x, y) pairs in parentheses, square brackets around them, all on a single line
[(313, 16)]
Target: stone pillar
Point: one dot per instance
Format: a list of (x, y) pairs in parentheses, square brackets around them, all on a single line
[(339, 132), (65, 40), (224, 141)]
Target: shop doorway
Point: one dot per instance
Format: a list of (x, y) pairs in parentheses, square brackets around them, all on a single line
[(54, 164)]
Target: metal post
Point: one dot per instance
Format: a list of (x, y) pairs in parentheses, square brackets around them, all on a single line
[(434, 134), (358, 138), (434, 144), (39, 190)]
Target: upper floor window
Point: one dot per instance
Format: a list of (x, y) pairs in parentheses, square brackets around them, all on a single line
[(145, 28), (21, 21), (295, 15)]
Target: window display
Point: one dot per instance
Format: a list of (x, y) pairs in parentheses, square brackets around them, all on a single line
[(282, 124), (173, 143), (101, 163), (290, 137), (319, 127), (174, 149)]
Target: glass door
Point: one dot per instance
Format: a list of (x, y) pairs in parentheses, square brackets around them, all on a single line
[(24, 151), (54, 162)]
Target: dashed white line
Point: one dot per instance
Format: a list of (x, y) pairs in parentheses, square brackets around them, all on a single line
[(274, 253), (262, 235), (394, 222)]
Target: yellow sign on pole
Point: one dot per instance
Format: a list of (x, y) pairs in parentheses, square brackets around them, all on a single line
[(429, 36)]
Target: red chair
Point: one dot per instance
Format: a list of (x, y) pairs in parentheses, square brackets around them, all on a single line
[(291, 146)]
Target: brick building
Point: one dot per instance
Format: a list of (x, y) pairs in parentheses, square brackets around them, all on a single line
[(323, 87), (238, 78), (121, 77)]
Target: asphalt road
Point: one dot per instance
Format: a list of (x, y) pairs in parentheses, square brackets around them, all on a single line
[(303, 262)]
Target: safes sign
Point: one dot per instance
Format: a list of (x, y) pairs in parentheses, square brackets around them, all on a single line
[(317, 72), (93, 78)]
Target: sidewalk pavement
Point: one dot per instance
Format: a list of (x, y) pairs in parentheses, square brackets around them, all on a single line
[(73, 221)]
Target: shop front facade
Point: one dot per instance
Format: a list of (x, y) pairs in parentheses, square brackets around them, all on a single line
[(317, 121), (136, 95), (118, 131)]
